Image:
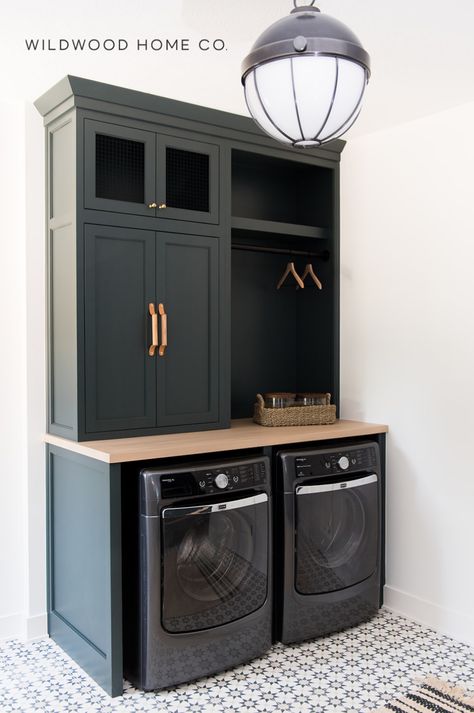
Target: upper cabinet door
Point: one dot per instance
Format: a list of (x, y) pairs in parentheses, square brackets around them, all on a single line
[(119, 168), (188, 368), (120, 375), (187, 179)]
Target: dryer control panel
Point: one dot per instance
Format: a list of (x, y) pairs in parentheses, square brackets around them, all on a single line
[(213, 478), (231, 477), (334, 462)]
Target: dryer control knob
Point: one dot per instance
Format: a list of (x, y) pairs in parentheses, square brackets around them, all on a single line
[(343, 462), (222, 481)]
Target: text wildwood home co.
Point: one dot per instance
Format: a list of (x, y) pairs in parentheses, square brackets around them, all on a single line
[(156, 44)]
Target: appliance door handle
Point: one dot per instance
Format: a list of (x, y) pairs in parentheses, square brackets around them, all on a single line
[(215, 507), (340, 485)]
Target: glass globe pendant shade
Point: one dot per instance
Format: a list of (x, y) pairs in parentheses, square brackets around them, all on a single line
[(305, 78)]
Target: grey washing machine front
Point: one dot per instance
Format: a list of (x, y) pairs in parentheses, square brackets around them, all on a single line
[(204, 576), (329, 575)]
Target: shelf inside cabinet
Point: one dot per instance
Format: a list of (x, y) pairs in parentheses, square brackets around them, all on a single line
[(281, 196), (253, 226)]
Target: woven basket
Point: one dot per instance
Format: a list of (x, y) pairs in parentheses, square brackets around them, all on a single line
[(294, 415)]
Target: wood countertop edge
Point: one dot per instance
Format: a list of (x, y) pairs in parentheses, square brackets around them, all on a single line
[(242, 434)]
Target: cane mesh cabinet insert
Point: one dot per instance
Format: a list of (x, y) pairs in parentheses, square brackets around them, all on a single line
[(119, 169), (187, 180)]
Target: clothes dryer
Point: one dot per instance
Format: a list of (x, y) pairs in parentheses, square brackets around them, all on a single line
[(199, 599), (328, 552)]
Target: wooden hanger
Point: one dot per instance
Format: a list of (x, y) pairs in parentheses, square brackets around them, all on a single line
[(309, 271), (290, 270)]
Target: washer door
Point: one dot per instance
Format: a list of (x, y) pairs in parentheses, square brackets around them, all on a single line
[(337, 532), (215, 563)]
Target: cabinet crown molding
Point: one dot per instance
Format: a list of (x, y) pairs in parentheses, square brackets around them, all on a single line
[(86, 93)]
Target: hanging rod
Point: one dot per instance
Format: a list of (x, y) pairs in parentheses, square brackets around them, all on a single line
[(323, 254)]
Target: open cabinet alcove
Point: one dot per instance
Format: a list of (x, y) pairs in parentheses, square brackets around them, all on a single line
[(283, 209)]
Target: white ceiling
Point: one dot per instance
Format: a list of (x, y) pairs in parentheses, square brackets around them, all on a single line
[(422, 51)]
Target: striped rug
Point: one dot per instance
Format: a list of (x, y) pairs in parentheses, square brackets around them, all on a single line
[(431, 696)]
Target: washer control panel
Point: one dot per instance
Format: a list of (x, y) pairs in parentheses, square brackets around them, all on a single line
[(332, 462), (215, 479), (231, 477)]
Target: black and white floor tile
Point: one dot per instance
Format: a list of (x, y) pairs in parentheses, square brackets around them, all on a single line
[(356, 670)]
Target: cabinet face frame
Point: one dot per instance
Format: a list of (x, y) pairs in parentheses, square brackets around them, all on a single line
[(61, 279), (91, 129)]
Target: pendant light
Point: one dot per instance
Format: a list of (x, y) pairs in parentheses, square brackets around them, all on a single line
[(305, 78)]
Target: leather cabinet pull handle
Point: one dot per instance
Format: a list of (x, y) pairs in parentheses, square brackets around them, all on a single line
[(164, 330), (154, 329)]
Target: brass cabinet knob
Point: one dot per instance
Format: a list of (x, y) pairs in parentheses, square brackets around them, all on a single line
[(162, 206), (152, 205)]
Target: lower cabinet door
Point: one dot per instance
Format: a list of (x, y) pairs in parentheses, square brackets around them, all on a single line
[(120, 376), (188, 370)]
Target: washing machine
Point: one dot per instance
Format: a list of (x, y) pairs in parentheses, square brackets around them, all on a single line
[(198, 592), (328, 560)]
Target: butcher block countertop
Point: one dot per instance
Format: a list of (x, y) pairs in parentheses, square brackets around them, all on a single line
[(243, 433)]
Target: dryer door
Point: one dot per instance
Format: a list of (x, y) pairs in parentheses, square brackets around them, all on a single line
[(337, 534), (215, 562)]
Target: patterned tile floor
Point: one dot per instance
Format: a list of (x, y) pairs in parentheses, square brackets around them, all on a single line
[(355, 670)]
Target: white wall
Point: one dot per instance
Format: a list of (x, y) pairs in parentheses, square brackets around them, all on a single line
[(407, 347), (35, 620), (13, 473)]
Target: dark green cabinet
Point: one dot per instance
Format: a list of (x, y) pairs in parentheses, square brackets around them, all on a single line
[(142, 172), (197, 213), (134, 218), (187, 270), (119, 281), (126, 387), (84, 585)]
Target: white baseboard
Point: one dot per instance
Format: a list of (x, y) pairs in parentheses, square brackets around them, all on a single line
[(18, 626), (36, 627), (446, 621)]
